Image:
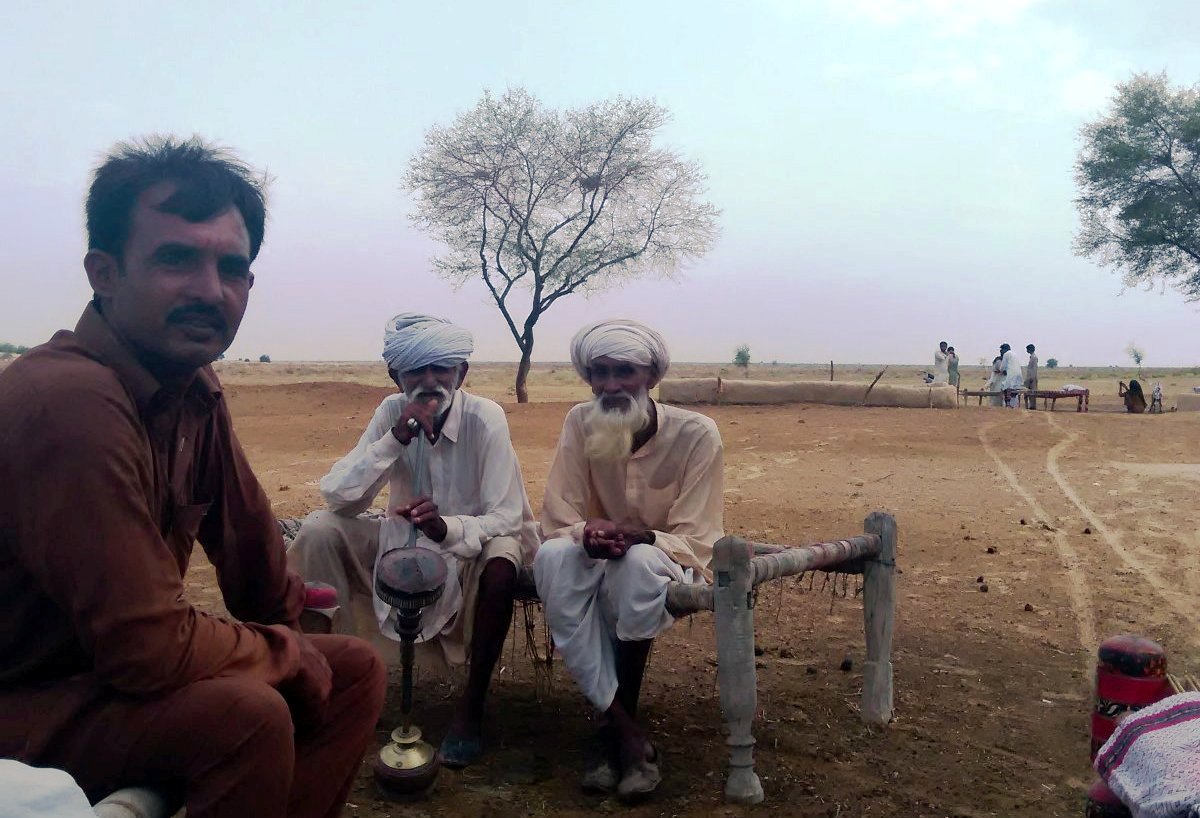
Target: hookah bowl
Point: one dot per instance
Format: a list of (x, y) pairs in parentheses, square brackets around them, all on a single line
[(408, 579)]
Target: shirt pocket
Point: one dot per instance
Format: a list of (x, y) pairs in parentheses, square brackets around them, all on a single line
[(187, 519)]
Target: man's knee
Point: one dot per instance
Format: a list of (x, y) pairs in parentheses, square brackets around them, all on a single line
[(640, 559), (499, 578), (552, 553), (359, 680), (254, 718), (321, 527)]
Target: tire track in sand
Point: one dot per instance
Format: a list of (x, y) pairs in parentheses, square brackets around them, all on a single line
[(1078, 588), (1179, 602)]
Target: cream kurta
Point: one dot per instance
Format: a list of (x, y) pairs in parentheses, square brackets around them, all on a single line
[(671, 485)]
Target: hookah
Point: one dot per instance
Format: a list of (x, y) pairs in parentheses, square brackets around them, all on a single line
[(409, 579)]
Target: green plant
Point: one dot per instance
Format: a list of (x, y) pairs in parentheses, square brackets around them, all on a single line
[(741, 356), (264, 359), (1052, 363), (1136, 354)]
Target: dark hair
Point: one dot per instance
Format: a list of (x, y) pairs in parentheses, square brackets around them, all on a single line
[(1030, 347), (208, 181)]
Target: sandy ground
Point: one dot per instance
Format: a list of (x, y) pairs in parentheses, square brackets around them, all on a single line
[(1092, 518)]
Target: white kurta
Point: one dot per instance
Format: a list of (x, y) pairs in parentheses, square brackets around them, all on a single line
[(672, 485), (941, 367), (471, 472), (1014, 378)]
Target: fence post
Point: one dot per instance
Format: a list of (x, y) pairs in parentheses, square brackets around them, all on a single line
[(733, 604), (879, 613)]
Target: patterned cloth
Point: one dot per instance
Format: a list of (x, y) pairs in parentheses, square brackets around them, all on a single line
[(1152, 760)]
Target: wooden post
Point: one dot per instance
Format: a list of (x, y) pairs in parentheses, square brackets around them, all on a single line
[(879, 611), (831, 371), (733, 604)]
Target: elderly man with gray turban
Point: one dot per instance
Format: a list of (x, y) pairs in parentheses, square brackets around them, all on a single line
[(473, 509), (633, 502)]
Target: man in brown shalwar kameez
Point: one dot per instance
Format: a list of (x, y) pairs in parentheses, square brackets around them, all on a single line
[(117, 452)]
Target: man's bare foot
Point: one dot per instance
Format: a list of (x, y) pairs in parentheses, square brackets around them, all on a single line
[(463, 744)]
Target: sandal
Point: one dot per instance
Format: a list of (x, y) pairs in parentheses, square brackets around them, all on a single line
[(458, 752), (641, 777), (600, 768)]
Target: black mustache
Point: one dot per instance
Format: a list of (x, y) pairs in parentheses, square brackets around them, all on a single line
[(197, 314)]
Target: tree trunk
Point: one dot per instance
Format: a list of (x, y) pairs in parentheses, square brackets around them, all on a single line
[(523, 373)]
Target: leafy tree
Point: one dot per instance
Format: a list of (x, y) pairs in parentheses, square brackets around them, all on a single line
[(264, 359), (741, 357), (12, 349), (542, 203), (1138, 174), (1052, 363)]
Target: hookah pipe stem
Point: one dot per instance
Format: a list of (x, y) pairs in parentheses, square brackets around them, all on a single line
[(406, 683), (418, 481)]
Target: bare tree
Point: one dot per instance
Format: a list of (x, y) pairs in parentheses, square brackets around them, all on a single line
[(541, 203)]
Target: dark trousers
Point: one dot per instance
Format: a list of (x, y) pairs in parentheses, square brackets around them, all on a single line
[(227, 745)]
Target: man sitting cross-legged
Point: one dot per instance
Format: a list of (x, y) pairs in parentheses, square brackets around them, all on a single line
[(117, 453), (471, 507), (633, 502)]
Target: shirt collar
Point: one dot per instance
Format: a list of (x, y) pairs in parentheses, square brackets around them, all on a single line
[(454, 417), (93, 333)]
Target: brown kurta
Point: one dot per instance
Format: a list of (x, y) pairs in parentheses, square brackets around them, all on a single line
[(107, 479), (105, 669)]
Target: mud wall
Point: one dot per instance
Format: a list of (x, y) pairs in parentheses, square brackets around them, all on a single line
[(835, 393)]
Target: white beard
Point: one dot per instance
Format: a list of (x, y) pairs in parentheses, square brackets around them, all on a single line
[(445, 396), (609, 432)]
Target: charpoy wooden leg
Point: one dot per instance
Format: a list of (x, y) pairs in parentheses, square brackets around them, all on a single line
[(879, 611), (733, 605)]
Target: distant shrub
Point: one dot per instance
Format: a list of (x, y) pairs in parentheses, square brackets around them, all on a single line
[(12, 349), (264, 359), (1052, 363)]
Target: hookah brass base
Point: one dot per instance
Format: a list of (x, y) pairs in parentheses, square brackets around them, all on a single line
[(406, 766)]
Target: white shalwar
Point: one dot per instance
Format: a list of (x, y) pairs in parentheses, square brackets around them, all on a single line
[(471, 472), (672, 485), (39, 792)]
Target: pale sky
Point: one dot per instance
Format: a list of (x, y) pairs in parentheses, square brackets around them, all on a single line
[(891, 173)]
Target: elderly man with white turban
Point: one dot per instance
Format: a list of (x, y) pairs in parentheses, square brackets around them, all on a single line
[(633, 502), (473, 510)]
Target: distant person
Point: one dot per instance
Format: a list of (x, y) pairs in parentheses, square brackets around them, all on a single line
[(1031, 377), (941, 364), (1014, 378), (118, 454), (475, 514), (1135, 401), (952, 366), (996, 382)]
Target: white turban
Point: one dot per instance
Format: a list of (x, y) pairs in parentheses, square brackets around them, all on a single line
[(414, 341), (623, 340)]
